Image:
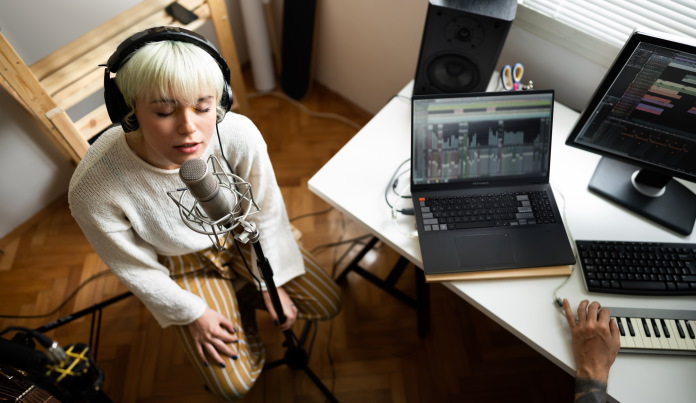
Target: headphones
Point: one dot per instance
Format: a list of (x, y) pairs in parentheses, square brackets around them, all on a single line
[(115, 104)]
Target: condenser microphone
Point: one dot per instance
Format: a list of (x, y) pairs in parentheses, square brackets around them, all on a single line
[(221, 201), (205, 188)]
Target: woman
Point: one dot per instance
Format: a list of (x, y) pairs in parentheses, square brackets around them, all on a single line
[(172, 87)]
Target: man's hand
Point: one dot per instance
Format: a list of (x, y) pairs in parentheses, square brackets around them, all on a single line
[(289, 308), (595, 346), (211, 333)]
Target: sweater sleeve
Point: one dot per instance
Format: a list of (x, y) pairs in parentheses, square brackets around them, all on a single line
[(136, 265), (275, 234)]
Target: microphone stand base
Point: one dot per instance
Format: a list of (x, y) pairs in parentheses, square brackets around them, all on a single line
[(295, 355)]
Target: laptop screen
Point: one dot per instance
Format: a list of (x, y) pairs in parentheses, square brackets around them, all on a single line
[(481, 137)]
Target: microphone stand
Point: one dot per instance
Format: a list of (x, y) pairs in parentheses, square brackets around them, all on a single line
[(219, 229), (295, 355)]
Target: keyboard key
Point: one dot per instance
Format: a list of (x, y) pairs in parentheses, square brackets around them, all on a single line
[(643, 285), (475, 224)]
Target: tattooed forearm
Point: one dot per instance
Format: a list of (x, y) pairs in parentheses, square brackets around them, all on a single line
[(590, 391)]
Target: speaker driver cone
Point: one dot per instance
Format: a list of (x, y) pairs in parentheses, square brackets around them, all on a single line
[(453, 73)]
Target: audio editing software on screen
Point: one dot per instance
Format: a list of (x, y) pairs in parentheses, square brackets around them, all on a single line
[(462, 138), (649, 113)]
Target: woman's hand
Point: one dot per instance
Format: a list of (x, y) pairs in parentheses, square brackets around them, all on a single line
[(289, 308), (211, 333)]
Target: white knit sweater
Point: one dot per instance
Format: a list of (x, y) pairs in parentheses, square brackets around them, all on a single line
[(121, 204)]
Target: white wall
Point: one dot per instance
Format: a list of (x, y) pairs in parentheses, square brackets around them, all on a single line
[(367, 50)]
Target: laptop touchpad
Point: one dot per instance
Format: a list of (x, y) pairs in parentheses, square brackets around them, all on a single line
[(484, 249)]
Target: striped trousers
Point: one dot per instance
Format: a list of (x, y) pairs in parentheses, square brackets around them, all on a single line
[(222, 280)]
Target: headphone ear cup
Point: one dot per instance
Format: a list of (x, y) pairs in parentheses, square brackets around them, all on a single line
[(225, 100), (116, 106)]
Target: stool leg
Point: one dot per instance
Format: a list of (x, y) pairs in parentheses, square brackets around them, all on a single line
[(422, 302)]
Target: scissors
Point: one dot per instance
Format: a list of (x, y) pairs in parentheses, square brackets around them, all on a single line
[(512, 76)]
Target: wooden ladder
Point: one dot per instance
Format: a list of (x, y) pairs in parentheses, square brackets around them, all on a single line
[(59, 81)]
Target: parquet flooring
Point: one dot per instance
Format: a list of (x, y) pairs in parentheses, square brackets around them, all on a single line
[(369, 353)]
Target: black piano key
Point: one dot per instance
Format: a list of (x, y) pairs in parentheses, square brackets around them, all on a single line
[(690, 330), (645, 327), (664, 328), (656, 329), (621, 328), (680, 330), (630, 327)]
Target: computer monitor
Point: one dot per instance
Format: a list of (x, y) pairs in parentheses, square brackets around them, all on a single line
[(642, 120)]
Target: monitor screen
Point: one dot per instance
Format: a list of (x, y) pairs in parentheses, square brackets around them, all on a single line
[(642, 118)]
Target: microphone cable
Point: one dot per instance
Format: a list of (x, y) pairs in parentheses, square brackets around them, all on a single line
[(236, 243), (556, 299), (393, 184), (307, 111), (299, 217)]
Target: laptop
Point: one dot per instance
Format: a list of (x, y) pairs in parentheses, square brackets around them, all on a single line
[(480, 182)]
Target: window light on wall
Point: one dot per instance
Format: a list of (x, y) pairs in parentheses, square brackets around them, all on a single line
[(613, 21)]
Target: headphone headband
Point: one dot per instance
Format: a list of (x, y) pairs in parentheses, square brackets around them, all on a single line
[(159, 34), (116, 105)]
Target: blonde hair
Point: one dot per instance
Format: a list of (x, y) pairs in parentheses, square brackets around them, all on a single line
[(169, 69)]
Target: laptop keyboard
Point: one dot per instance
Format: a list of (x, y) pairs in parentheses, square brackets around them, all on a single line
[(486, 210)]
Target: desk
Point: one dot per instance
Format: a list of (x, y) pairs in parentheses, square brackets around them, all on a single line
[(354, 180)]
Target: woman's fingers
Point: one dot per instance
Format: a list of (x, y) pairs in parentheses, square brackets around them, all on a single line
[(213, 354)]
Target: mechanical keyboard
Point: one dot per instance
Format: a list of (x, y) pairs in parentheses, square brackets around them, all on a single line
[(638, 268)]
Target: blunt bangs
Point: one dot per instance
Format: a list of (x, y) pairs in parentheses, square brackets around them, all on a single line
[(169, 70)]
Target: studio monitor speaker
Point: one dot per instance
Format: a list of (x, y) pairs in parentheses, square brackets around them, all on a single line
[(462, 40)]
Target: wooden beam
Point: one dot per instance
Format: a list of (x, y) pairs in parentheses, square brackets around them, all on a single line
[(27, 87), (223, 32)]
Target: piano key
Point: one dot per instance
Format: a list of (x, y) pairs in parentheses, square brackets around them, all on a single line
[(645, 334), (680, 329), (623, 340), (665, 330), (645, 327), (690, 343), (631, 331), (670, 334), (655, 329), (690, 329), (621, 328), (679, 341), (689, 340), (638, 338)]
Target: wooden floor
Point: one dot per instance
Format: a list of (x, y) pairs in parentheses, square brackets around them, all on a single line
[(369, 353)]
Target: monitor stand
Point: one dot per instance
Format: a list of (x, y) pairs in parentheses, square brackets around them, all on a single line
[(674, 206)]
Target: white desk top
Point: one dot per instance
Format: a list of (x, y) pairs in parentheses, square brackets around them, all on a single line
[(354, 181)]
